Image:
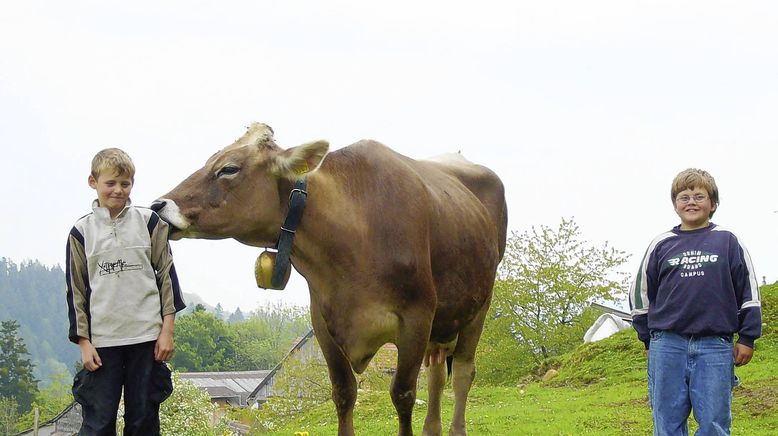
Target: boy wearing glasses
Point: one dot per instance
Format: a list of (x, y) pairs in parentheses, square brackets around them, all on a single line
[(695, 288)]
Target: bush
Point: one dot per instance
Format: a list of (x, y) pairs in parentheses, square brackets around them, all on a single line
[(304, 383), (500, 359), (769, 296), (187, 412), (50, 401), (503, 360), (8, 415)]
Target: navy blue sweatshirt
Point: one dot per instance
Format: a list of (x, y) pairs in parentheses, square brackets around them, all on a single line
[(697, 282)]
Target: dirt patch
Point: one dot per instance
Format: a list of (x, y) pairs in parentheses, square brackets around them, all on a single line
[(630, 426), (757, 400)]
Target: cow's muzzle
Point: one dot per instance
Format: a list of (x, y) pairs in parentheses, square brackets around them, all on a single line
[(169, 212)]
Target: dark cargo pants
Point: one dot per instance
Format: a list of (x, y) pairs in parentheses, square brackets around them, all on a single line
[(146, 385)]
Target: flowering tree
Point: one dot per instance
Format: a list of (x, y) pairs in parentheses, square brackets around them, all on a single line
[(547, 278), (188, 411)]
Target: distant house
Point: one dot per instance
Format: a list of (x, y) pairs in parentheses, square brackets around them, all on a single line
[(66, 423), (609, 323), (227, 388), (249, 388), (305, 348), (619, 313)]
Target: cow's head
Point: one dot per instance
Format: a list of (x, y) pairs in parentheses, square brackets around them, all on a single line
[(238, 193)]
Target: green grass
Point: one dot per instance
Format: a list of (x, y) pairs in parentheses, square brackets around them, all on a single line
[(600, 390), (612, 402), (534, 410)]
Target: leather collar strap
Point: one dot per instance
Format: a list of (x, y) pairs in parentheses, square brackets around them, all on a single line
[(293, 215)]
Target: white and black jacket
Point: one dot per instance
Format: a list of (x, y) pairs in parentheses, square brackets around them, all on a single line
[(120, 277)]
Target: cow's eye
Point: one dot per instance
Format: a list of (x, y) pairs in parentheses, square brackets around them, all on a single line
[(228, 170)]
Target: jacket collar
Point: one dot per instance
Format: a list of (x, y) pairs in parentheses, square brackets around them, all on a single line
[(104, 214)]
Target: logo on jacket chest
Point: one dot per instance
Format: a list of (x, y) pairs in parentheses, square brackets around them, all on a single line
[(117, 266), (693, 262)]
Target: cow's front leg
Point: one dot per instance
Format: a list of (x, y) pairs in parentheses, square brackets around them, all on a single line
[(344, 395), (344, 385), (411, 344)]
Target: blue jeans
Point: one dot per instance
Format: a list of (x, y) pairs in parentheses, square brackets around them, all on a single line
[(688, 373)]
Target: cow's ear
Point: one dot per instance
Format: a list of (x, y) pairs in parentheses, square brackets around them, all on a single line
[(300, 160)]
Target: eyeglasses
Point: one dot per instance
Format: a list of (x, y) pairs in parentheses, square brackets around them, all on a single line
[(685, 199)]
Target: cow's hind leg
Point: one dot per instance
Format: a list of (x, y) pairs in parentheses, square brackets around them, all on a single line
[(411, 343), (463, 370), (344, 384), (436, 380)]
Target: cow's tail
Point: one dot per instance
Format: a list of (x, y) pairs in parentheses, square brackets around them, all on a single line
[(449, 363)]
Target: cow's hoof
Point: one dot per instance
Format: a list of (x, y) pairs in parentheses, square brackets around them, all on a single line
[(457, 431), (432, 429)]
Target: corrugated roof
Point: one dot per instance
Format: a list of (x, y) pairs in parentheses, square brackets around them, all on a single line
[(620, 313), (232, 384)]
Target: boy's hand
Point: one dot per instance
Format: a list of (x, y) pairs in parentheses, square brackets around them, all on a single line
[(164, 348), (89, 356), (743, 354)]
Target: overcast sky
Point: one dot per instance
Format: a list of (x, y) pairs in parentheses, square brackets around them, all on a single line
[(584, 109)]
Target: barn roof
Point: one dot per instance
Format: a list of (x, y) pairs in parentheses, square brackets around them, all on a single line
[(233, 386), (269, 377), (619, 313)]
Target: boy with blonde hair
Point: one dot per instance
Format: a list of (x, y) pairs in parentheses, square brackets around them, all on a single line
[(695, 288), (122, 296)]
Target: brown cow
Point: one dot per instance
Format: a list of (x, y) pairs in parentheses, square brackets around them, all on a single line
[(393, 249)]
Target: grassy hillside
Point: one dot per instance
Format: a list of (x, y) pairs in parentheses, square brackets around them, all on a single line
[(600, 390)]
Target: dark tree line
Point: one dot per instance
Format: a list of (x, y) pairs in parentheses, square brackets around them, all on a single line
[(34, 295), (17, 382)]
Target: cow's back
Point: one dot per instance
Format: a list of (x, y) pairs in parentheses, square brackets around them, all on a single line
[(439, 221), (484, 184)]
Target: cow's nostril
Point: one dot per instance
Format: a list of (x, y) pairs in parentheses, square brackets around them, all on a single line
[(157, 205)]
